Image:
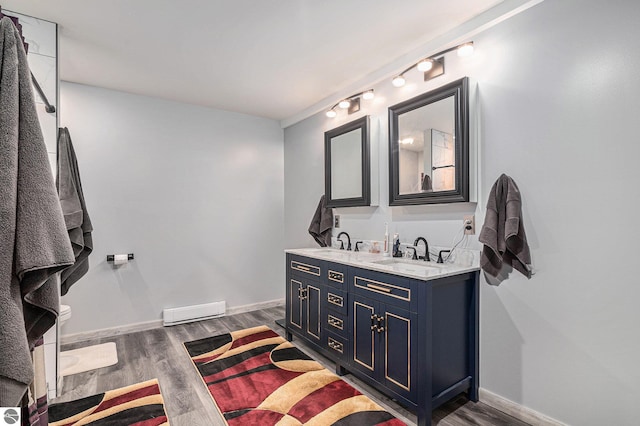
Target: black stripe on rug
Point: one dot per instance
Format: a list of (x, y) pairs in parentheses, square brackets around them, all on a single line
[(208, 344), (364, 418), (245, 373), (216, 366)]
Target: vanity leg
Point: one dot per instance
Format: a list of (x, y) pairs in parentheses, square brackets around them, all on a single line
[(340, 370), (288, 335)]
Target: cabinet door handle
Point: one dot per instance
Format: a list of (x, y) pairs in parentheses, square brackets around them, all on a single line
[(379, 288)]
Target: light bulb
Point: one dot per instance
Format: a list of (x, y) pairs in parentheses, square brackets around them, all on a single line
[(406, 141), (331, 113), (425, 65), (398, 81), (465, 49), (344, 103), (368, 95)]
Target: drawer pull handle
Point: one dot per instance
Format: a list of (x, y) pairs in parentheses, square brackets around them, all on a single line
[(304, 268), (379, 288), (335, 322), (336, 300), (336, 346)]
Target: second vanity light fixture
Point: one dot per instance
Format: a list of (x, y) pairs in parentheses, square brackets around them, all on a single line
[(350, 103), (433, 66)]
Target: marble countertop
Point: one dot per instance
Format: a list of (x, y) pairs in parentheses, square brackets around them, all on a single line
[(418, 269)]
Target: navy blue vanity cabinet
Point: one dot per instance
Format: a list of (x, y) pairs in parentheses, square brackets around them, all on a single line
[(413, 340), (384, 337), (304, 297)]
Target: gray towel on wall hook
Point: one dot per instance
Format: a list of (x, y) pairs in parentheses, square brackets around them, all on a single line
[(503, 235), (321, 224), (74, 209), (33, 240)]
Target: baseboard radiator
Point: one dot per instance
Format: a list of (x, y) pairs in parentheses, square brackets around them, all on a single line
[(193, 313)]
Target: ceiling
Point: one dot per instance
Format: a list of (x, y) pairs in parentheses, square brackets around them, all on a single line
[(269, 58)]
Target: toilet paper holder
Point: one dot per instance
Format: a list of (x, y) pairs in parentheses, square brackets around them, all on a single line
[(111, 257)]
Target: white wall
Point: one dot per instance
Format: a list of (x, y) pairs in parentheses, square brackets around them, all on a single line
[(195, 193), (558, 107)]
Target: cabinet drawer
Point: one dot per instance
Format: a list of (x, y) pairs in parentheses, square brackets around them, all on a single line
[(386, 288), (336, 275), (307, 267), (337, 323), (337, 300), (337, 346)]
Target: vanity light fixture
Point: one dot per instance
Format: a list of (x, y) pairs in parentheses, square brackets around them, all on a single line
[(350, 103), (433, 66), (406, 141)]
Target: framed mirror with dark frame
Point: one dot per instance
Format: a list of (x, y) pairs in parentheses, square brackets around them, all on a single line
[(347, 176), (429, 147)]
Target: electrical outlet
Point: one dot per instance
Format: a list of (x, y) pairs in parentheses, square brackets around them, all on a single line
[(469, 225), (336, 221)]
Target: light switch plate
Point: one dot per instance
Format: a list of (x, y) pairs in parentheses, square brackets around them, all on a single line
[(336, 221)]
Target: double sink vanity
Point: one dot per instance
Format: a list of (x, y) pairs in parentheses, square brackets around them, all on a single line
[(409, 328)]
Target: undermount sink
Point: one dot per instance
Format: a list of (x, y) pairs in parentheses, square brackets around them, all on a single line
[(408, 265)]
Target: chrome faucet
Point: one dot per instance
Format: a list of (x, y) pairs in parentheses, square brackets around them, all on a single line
[(342, 242), (426, 248)]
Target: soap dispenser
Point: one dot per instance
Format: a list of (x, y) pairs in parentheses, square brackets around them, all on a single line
[(396, 245)]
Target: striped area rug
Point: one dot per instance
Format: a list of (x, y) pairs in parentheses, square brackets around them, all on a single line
[(256, 377), (140, 405)]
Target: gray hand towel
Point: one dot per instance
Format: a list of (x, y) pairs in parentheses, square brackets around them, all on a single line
[(502, 234), (33, 240), (321, 224), (75, 212)]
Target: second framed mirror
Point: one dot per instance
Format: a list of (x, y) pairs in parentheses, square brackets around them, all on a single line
[(429, 147)]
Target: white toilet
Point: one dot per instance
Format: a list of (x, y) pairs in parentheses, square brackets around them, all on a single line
[(65, 314)]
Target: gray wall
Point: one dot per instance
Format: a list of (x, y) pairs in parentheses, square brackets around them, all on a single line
[(558, 107), (195, 193)]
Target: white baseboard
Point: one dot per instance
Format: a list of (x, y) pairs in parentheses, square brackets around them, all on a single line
[(109, 332), (254, 307), (516, 410), (148, 325)]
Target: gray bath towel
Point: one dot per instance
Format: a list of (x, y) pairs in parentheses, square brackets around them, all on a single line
[(321, 224), (33, 240), (75, 212), (503, 233)]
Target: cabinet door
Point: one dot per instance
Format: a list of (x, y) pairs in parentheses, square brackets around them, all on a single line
[(364, 335), (312, 295), (399, 348), (294, 309)]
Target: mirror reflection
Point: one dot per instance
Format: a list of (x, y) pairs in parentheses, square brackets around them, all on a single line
[(346, 175), (426, 148)]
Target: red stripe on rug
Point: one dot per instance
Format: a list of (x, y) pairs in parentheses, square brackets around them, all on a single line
[(129, 396), (253, 338), (246, 365), (250, 390), (321, 399), (256, 417), (151, 422)]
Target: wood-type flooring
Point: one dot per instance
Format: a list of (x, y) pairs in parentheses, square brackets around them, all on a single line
[(158, 353)]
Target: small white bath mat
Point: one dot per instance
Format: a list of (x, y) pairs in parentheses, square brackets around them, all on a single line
[(88, 358)]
